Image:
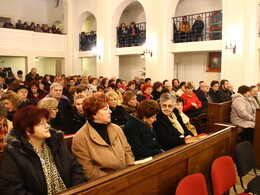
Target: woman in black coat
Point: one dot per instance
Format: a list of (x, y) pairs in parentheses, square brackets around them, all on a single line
[(36, 158), (73, 117), (169, 126), (139, 131)]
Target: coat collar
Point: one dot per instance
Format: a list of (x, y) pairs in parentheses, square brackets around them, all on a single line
[(97, 138)]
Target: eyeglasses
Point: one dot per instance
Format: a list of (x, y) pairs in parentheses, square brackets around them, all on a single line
[(169, 106), (44, 123)]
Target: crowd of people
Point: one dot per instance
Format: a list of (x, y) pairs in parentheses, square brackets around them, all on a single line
[(115, 122), (32, 27), (129, 35), (87, 41)]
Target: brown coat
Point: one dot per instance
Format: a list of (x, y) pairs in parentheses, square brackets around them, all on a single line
[(97, 157)]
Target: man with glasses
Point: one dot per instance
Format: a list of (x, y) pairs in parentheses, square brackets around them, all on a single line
[(204, 96)]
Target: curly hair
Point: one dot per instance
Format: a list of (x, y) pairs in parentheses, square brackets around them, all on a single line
[(13, 97), (93, 103), (147, 108)]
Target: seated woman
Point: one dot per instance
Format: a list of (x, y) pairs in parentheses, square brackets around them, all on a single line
[(214, 92), (146, 93), (100, 146), (169, 130), (5, 125), (36, 158), (129, 102), (179, 113), (139, 130), (73, 116), (181, 89), (157, 90), (191, 102), (118, 115), (12, 101), (51, 104), (35, 94), (243, 113)]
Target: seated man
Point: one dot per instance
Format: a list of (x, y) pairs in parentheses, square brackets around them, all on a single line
[(224, 92), (204, 96), (8, 24), (197, 28)]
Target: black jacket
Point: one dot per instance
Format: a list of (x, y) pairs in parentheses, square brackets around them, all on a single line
[(118, 116), (71, 121), (21, 170), (204, 101), (142, 139), (215, 96), (168, 135), (156, 95)]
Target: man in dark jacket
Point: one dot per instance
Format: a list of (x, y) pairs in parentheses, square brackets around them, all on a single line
[(204, 96), (224, 92), (197, 28), (32, 75)]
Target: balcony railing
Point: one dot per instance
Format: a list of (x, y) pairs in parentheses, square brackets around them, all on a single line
[(127, 39), (87, 41), (198, 27)]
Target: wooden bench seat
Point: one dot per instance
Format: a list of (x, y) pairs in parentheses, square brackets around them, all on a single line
[(162, 174)]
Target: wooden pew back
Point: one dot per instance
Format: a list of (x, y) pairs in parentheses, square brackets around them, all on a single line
[(221, 112), (162, 174)]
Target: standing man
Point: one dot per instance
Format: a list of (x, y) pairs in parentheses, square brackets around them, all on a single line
[(32, 75)]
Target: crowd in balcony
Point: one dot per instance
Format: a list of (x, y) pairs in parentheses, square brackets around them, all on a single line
[(130, 35), (87, 41), (32, 27)]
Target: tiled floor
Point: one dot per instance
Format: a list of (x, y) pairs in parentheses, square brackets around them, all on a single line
[(246, 179)]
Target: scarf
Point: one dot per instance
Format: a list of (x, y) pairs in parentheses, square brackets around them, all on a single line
[(53, 179), (175, 123)]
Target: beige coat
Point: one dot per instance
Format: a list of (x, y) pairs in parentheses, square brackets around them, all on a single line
[(97, 157)]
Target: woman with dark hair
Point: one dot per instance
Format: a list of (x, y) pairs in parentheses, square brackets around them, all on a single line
[(214, 92), (104, 83), (139, 130), (129, 102), (175, 84), (100, 146), (243, 113), (36, 158), (35, 94), (157, 90), (170, 131), (181, 89), (47, 82)]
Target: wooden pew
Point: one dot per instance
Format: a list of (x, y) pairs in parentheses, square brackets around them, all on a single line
[(221, 112), (257, 138), (162, 174)]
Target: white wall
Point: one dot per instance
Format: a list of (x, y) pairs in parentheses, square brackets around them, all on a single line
[(130, 66), (133, 14), (37, 11), (186, 7), (46, 66), (89, 24), (16, 63), (193, 66), (89, 67)]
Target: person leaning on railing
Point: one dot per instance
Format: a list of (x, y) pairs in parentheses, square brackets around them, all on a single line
[(185, 29)]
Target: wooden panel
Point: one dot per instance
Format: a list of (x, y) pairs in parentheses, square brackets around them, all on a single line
[(257, 138), (162, 174), (221, 111)]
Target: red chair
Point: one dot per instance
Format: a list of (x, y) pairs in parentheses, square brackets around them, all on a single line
[(223, 175), (192, 184)]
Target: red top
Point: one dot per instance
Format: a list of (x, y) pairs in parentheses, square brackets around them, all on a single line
[(190, 99)]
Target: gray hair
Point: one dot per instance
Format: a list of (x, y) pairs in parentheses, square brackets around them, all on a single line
[(167, 96), (53, 85)]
